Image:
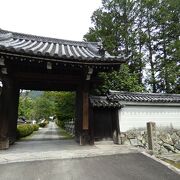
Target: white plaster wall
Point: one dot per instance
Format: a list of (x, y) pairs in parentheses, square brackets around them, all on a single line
[(137, 116)]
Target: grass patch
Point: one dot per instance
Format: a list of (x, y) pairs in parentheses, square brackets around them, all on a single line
[(64, 133), (175, 164), (28, 137)]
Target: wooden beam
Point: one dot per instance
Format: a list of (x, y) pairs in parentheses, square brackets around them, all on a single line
[(47, 86), (45, 77)]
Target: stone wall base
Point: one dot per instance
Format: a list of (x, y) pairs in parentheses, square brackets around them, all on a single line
[(116, 138), (168, 139), (85, 138), (12, 140), (4, 144)]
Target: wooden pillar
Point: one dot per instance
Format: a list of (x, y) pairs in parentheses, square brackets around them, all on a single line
[(85, 123), (82, 125), (116, 129), (78, 119), (4, 111), (84, 137), (13, 116), (8, 112), (91, 124)]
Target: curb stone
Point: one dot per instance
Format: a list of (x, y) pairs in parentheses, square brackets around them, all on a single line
[(176, 170), (65, 154)]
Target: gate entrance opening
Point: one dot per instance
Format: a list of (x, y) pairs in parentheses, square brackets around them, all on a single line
[(53, 112)]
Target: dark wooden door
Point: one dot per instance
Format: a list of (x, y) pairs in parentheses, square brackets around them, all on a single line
[(103, 124)]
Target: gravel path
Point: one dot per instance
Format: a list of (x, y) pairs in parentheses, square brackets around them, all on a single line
[(50, 132)]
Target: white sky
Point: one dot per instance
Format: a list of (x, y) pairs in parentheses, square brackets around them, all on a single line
[(64, 19)]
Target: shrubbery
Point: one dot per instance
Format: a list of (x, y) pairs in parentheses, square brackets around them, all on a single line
[(35, 127), (44, 123), (60, 123), (24, 130)]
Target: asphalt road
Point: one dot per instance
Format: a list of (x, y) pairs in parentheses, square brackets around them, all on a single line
[(134, 166)]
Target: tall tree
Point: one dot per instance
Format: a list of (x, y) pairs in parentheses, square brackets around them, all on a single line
[(113, 25), (146, 31), (168, 19), (149, 27)]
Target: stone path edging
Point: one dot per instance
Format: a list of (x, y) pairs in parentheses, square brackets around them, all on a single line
[(162, 162), (64, 154)]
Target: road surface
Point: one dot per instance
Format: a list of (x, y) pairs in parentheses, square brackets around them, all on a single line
[(134, 166), (45, 156)]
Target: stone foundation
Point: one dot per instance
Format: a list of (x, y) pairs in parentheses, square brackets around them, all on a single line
[(85, 139), (168, 139), (69, 126), (4, 144)]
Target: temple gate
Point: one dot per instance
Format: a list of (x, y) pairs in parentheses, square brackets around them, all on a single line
[(41, 63)]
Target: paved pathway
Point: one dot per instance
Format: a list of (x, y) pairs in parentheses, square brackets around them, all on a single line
[(48, 144), (134, 166), (48, 133), (46, 155)]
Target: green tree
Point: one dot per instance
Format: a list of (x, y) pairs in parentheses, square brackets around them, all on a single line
[(59, 104), (121, 80), (113, 25), (44, 106), (168, 46), (145, 31), (149, 29), (65, 106), (26, 109)]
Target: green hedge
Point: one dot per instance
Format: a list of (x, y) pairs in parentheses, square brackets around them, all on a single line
[(35, 127), (43, 124), (24, 130)]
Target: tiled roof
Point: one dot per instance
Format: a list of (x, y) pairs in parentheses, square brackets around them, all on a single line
[(103, 101), (90, 52), (117, 98), (144, 97)]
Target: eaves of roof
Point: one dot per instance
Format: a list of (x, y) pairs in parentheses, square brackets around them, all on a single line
[(119, 99), (143, 97), (72, 51)]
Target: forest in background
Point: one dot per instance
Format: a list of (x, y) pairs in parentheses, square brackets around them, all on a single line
[(38, 105)]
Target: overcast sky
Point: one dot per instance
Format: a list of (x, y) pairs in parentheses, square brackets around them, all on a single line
[(64, 19)]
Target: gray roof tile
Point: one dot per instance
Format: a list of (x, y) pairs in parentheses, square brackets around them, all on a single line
[(54, 48), (103, 101), (116, 98), (144, 97)]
